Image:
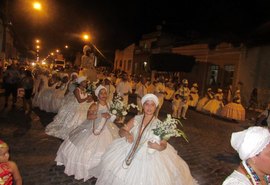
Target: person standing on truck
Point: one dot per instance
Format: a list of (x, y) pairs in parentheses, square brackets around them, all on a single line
[(88, 64)]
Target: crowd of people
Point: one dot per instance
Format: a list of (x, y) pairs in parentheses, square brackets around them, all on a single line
[(94, 146)]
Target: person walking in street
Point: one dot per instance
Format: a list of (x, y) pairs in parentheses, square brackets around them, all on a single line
[(141, 90), (133, 159), (11, 80), (208, 96), (160, 93), (184, 93), (110, 88), (215, 105), (194, 96), (88, 62), (72, 114), (253, 147), (123, 88), (27, 84), (81, 152), (234, 110)]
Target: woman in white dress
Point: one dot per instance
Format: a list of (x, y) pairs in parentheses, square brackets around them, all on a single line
[(72, 84), (215, 105), (46, 95), (81, 152), (130, 161), (72, 114), (88, 61), (208, 96), (43, 84), (234, 110), (58, 95), (194, 96), (253, 147)]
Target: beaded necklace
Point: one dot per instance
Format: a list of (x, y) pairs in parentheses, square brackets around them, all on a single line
[(252, 176), (134, 148), (103, 126)]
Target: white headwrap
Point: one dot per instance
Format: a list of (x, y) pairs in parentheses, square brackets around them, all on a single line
[(152, 97), (74, 73), (85, 48), (250, 142), (98, 89), (81, 79)]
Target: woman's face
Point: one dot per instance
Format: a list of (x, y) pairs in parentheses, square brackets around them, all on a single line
[(4, 154), (149, 107), (102, 95), (262, 161)]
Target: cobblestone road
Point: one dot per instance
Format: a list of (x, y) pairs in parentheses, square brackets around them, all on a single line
[(208, 152)]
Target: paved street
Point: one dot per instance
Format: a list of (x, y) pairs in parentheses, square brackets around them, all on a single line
[(208, 152)]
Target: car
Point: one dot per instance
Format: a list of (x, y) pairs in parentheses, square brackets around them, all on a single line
[(59, 65)]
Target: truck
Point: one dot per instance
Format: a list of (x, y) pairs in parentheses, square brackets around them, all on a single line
[(59, 64)]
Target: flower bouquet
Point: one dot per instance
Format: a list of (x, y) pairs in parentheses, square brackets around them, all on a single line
[(167, 129), (118, 108), (91, 87)]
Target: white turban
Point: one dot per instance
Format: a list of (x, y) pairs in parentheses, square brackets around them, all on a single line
[(85, 48), (81, 79), (74, 74), (152, 97), (98, 89), (250, 142)]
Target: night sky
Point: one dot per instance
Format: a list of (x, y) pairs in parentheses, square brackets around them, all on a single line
[(116, 24)]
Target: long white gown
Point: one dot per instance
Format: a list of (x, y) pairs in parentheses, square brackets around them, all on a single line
[(147, 168), (71, 115), (43, 86), (57, 98), (46, 96), (81, 152)]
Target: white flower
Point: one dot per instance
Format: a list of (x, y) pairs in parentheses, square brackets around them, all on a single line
[(114, 111), (124, 113)]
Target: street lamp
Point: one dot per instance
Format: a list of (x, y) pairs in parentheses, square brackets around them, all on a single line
[(37, 6), (37, 41), (66, 46), (86, 37)]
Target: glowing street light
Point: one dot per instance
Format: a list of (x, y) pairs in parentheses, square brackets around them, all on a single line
[(66, 46), (52, 53), (86, 37), (37, 41), (37, 46), (37, 6), (57, 51)]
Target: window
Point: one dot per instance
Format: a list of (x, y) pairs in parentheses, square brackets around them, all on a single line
[(228, 75), (213, 75)]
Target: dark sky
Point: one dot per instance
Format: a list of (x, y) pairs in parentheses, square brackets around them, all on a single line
[(116, 24)]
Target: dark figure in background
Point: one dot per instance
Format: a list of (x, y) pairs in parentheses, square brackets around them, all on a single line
[(27, 84), (253, 101), (11, 79)]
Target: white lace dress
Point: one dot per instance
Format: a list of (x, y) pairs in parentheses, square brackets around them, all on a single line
[(43, 86), (57, 98), (71, 115), (45, 97), (81, 152), (147, 168)]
